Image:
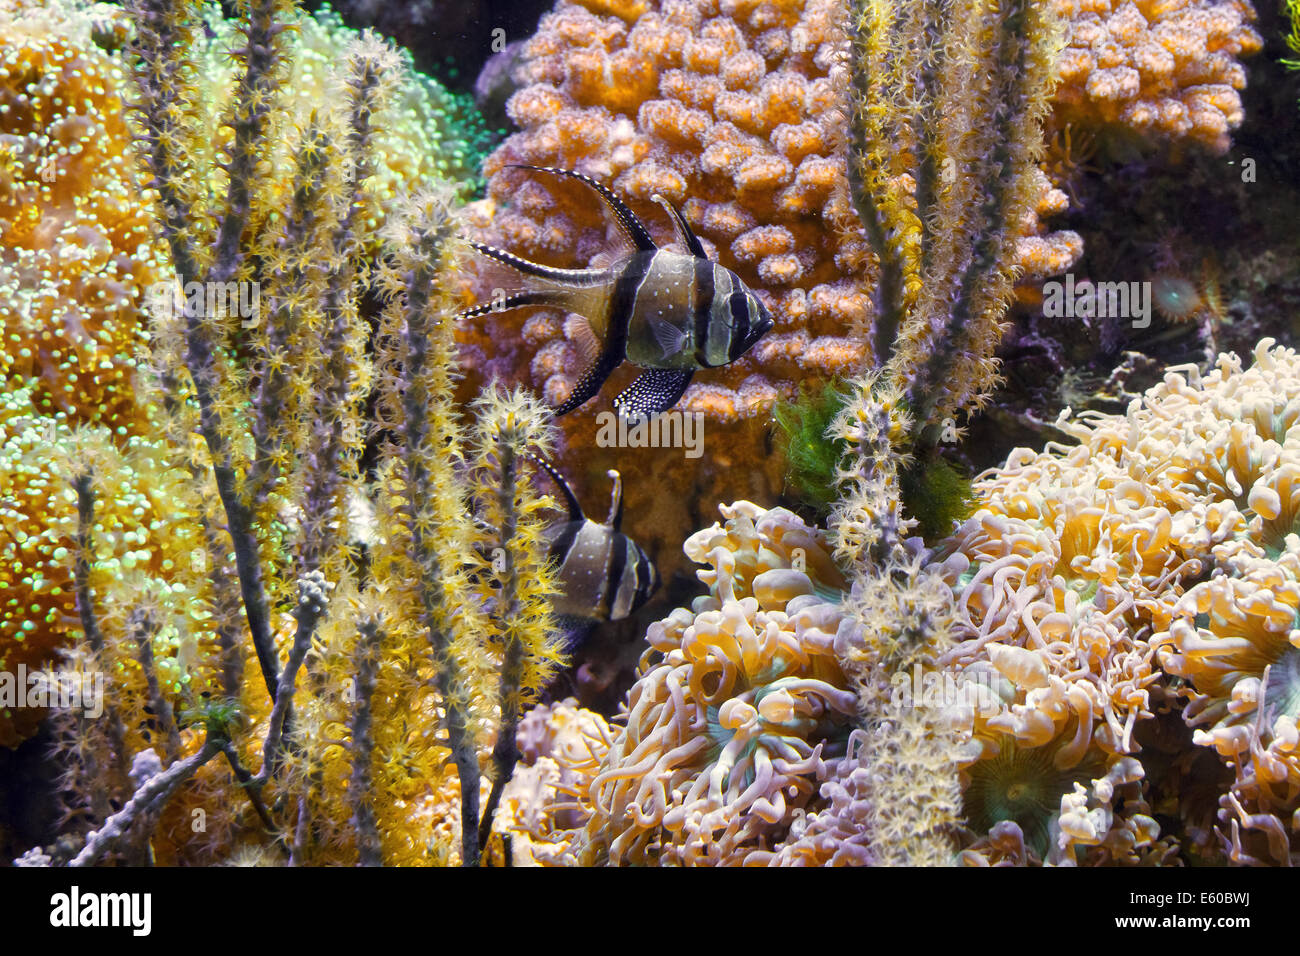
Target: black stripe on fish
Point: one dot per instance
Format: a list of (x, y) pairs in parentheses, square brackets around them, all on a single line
[(616, 565), (645, 579), (654, 391), (627, 219), (563, 543), (739, 325), (620, 308), (703, 309)]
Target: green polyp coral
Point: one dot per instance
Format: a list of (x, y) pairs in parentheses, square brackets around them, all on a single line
[(424, 132), (1021, 785), (811, 456), (936, 494)]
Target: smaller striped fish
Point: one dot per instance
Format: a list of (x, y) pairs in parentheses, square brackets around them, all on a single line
[(603, 574), (666, 312)]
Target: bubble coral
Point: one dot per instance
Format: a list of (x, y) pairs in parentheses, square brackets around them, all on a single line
[(740, 710), (1161, 68), (1157, 558)]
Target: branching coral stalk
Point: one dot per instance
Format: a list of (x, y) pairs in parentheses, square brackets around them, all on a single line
[(83, 482), (902, 620), (142, 628), (435, 533), (163, 28), (369, 643), (939, 186), (946, 103), (152, 793), (510, 427), (264, 415)]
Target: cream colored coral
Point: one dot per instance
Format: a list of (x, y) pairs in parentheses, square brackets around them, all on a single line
[(1165, 543)]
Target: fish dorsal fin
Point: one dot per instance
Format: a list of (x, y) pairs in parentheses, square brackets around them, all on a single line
[(615, 519), (575, 509), (684, 229), (654, 391), (627, 220)]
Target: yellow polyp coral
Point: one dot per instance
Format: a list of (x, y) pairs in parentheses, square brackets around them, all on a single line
[(77, 247), (134, 539), (740, 710), (1164, 69)]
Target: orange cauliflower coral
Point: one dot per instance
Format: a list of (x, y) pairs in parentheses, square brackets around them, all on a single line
[(1164, 68), (734, 111)]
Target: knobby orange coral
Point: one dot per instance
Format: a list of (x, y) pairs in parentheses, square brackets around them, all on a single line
[(733, 110), (1159, 68)]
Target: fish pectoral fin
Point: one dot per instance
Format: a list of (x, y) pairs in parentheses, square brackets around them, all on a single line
[(591, 381), (578, 330), (655, 390), (670, 338)]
